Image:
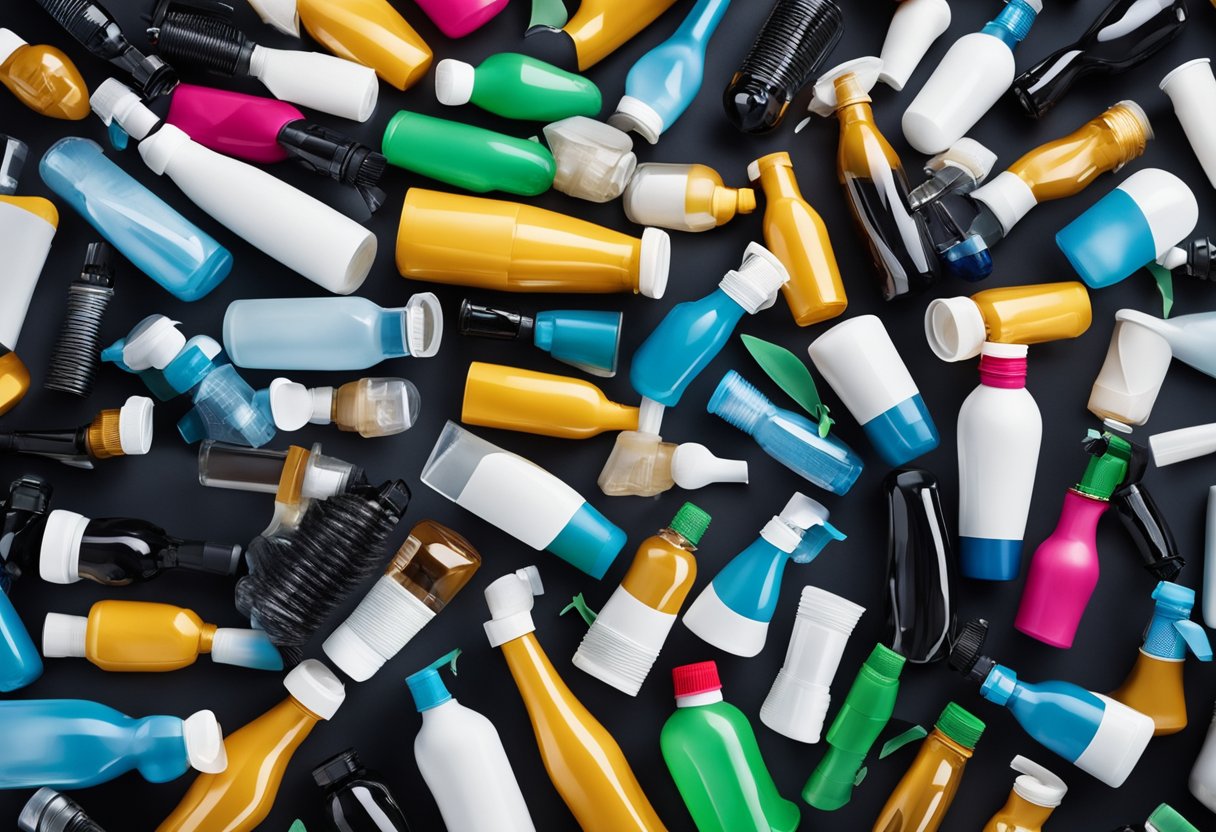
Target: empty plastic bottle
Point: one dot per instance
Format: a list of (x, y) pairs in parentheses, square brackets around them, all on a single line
[(958, 328), (1035, 795), (43, 78), (587, 339), (355, 799), (595, 161), (684, 197), (517, 86), (50, 811), (457, 18)]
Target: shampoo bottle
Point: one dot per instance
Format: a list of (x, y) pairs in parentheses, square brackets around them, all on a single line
[(517, 86), (588, 339)]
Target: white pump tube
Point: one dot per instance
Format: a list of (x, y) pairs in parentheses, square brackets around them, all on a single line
[(322, 82), (1183, 444)]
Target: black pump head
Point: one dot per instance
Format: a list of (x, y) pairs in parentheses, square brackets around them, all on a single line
[(329, 153), (493, 322), (966, 655), (201, 33)]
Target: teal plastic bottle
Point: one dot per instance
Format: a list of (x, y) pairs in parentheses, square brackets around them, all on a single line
[(665, 80), (589, 339), (712, 754), (517, 86), (74, 743)]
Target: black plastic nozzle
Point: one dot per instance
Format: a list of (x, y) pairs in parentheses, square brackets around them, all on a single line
[(1200, 259), (967, 652), (329, 153), (201, 33), (491, 322), (29, 498), (92, 24)]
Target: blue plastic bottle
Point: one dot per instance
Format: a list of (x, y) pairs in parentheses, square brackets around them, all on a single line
[(666, 79), (74, 743), (584, 338), (162, 243), (788, 437), (333, 333), (20, 536)]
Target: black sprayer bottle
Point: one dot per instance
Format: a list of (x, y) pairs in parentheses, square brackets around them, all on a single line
[(355, 800)]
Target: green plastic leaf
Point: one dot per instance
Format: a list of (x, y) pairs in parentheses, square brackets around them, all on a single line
[(792, 376), (298, 826), (1165, 285), (548, 13), (916, 732), (861, 775), (579, 604)]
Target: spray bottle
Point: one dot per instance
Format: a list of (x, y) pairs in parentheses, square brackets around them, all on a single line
[(114, 432), (587, 339)]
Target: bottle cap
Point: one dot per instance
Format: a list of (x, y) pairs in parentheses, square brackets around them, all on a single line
[(655, 263), (1166, 818), (454, 82), (315, 686), (49, 811), (1037, 785), (427, 687), (193, 363), (423, 324), (865, 71), (337, 768), (885, 661), (510, 599), (755, 284), (10, 42), (63, 636), (954, 328), (493, 322), (281, 14), (694, 466), (115, 102), (960, 725), (245, 648), (634, 115), (1108, 464), (800, 514), (292, 405), (59, 556), (589, 540), (204, 743), (690, 523), (135, 425), (968, 646), (152, 344), (13, 153), (693, 679)]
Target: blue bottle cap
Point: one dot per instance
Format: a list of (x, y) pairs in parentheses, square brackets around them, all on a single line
[(903, 432), (427, 687), (589, 541)]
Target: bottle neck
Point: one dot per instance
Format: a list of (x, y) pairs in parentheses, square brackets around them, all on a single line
[(1013, 24), (777, 180), (1004, 373), (701, 22), (696, 700), (676, 539), (393, 333), (852, 102)]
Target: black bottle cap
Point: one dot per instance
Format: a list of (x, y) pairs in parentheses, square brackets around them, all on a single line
[(968, 646), (1200, 262), (490, 322), (337, 768), (201, 33), (329, 153), (552, 46), (98, 268), (29, 493)]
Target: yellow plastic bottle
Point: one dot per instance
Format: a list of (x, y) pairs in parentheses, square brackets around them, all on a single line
[(240, 798), (1035, 795), (796, 234), (684, 197), (43, 78), (958, 327), (584, 762), (510, 247), (510, 398), (600, 27)]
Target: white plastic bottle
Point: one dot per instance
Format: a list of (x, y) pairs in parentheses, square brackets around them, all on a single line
[(302, 233), (999, 433), (972, 76), (463, 761), (914, 28)]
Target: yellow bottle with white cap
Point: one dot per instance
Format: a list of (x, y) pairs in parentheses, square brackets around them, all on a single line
[(1036, 794)]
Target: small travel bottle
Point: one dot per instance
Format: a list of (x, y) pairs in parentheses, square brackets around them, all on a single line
[(517, 86), (43, 78), (596, 30), (114, 432), (1035, 795), (50, 811), (370, 406), (684, 197), (588, 339), (355, 799), (957, 328)]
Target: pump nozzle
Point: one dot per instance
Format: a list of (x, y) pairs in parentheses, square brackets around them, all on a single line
[(426, 685)]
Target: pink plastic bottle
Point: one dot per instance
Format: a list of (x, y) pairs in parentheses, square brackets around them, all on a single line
[(457, 18), (1064, 569)]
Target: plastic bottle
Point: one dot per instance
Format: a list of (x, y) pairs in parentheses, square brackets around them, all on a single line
[(240, 798), (795, 39), (50, 811), (584, 762), (797, 235), (642, 464), (1163, 819), (914, 28), (1098, 735), (798, 700), (684, 197), (1064, 569), (866, 710), (663, 82), (330, 333), (596, 30), (137, 636), (517, 86), (21, 521), (1143, 519), (588, 339), (875, 183), (1035, 795), (462, 760), (922, 798), (957, 328), (431, 567), (1154, 686), (1202, 780), (522, 499), (1126, 34), (371, 406), (114, 432), (74, 743), (595, 161), (187, 261), (355, 799), (711, 751), (1191, 88), (734, 610), (43, 78), (509, 247), (972, 76), (116, 551), (626, 637)]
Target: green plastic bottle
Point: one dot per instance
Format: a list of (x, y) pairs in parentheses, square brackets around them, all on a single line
[(468, 157), (865, 712), (712, 754), (517, 86)]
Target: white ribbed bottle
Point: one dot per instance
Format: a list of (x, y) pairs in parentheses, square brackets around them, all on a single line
[(623, 642), (383, 623)]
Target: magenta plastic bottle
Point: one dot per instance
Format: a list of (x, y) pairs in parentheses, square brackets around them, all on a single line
[(457, 18)]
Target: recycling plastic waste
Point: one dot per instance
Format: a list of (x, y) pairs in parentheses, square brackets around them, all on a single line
[(584, 338), (595, 161), (1036, 793), (517, 86), (98, 32), (43, 78), (48, 810), (355, 799), (596, 30), (25, 505), (684, 197), (114, 432), (372, 407), (1191, 88), (915, 27)]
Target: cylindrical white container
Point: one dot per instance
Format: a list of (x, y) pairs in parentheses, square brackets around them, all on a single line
[(914, 28), (321, 82), (1132, 374), (1182, 444), (1192, 89), (387, 618), (798, 700), (623, 642), (1203, 774), (999, 433), (1209, 574)]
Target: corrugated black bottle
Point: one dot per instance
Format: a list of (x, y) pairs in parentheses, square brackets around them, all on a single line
[(355, 800)]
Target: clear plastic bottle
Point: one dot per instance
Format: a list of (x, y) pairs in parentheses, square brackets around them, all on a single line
[(371, 407), (355, 799)]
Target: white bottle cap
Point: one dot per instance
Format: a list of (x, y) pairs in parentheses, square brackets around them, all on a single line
[(866, 70), (63, 636), (1168, 205), (1008, 197), (1192, 89), (510, 599), (387, 618), (1134, 370), (633, 114), (655, 263), (281, 14), (694, 466), (292, 405), (1182, 444), (786, 530), (152, 343), (315, 686), (914, 28), (10, 42), (135, 426), (966, 154), (59, 556), (1037, 785), (423, 324), (204, 743), (955, 328), (115, 101), (757, 281), (454, 82)]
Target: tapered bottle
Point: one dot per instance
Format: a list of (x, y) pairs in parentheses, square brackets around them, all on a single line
[(584, 762), (355, 799), (958, 328), (584, 338), (596, 30), (50, 811), (43, 78), (114, 432), (914, 28), (517, 86), (26, 504), (1035, 795)]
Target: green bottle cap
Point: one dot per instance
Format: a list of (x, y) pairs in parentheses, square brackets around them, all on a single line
[(1106, 471), (885, 661), (690, 523), (960, 725), (1165, 818)]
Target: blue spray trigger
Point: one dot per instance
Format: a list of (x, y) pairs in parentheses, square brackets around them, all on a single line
[(814, 542), (1196, 639), (118, 136)]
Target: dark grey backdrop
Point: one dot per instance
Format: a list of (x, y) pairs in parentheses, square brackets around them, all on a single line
[(378, 717)]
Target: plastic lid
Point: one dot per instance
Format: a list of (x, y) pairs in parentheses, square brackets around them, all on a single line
[(1167, 203), (755, 284), (12, 162), (493, 322), (694, 466), (692, 679), (281, 14), (865, 73), (510, 599), (633, 114), (690, 523), (427, 687), (423, 325), (315, 686), (135, 425), (204, 743), (960, 725), (10, 42), (454, 82), (113, 101), (954, 328), (799, 515), (152, 344), (1174, 600), (1037, 785), (655, 263), (1106, 471), (292, 404), (63, 636), (337, 768), (193, 363), (1166, 818), (968, 645), (59, 557), (885, 661)]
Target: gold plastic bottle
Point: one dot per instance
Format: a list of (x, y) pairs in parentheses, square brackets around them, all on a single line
[(600, 27), (1035, 795), (510, 247), (584, 762), (796, 234), (958, 327), (510, 398), (240, 797), (43, 78)]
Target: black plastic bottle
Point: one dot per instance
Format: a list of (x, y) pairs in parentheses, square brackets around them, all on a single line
[(50, 811), (1126, 34), (21, 522), (921, 569), (355, 800), (1144, 522)]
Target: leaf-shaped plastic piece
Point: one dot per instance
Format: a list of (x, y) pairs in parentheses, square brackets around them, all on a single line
[(792, 376), (549, 13), (579, 604), (916, 732), (1165, 285)]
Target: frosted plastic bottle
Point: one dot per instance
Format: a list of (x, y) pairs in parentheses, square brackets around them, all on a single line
[(302, 233), (684, 197), (160, 242), (584, 762), (517, 86), (50, 811), (999, 433), (595, 161), (596, 30), (462, 760), (74, 743), (972, 76), (329, 333), (1036, 794), (711, 751), (914, 28), (584, 338), (43, 78), (240, 797), (355, 799), (457, 18)]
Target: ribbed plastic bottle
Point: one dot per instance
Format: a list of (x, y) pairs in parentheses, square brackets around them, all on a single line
[(517, 86), (684, 197), (588, 339), (355, 799), (957, 328), (43, 78), (1035, 795)]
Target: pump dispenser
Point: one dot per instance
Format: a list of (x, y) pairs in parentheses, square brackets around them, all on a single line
[(587, 339), (43, 78), (594, 32), (584, 762), (1036, 794), (50, 811), (371, 406), (914, 28), (733, 612), (957, 328), (517, 86), (684, 197), (114, 432)]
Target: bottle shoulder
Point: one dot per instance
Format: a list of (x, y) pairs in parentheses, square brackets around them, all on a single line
[(35, 206)]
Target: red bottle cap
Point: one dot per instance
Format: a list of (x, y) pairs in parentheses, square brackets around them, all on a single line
[(692, 679)]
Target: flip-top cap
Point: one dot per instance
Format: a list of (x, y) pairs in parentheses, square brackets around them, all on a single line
[(281, 14), (204, 743), (152, 344), (755, 284), (655, 263), (954, 328), (423, 324), (315, 686), (454, 82), (1037, 785)]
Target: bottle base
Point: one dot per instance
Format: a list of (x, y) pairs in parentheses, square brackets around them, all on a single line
[(989, 559)]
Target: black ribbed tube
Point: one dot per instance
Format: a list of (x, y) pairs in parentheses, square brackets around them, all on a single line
[(74, 361), (205, 39)]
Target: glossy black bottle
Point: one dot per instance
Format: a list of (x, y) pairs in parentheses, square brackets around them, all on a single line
[(1126, 34), (22, 516), (355, 800), (921, 568), (1144, 521)]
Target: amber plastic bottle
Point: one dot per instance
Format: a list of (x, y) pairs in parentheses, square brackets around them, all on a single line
[(43, 78)]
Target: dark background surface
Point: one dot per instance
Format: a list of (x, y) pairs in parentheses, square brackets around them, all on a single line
[(379, 718)]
